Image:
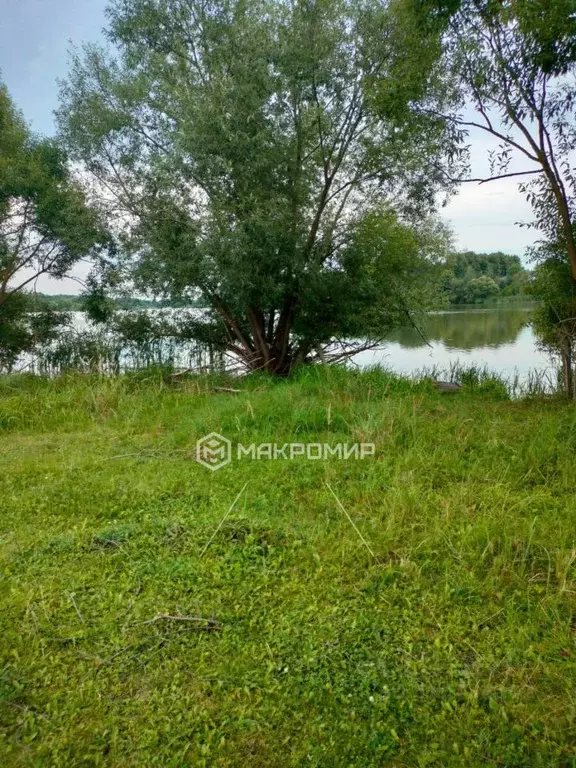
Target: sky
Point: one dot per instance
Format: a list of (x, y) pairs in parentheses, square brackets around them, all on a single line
[(35, 36)]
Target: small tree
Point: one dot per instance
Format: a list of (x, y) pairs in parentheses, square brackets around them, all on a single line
[(481, 288), (515, 62), (555, 318), (45, 228), (237, 146)]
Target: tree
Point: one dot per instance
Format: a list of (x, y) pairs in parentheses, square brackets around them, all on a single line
[(515, 62), (236, 145), (481, 288), (470, 277), (555, 318), (45, 228)]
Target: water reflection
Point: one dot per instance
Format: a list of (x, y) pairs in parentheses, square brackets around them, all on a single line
[(499, 339), (467, 329)]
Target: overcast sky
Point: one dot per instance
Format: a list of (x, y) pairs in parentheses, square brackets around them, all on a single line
[(34, 40)]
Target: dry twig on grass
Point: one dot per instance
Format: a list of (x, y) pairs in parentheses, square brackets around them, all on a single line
[(203, 624)]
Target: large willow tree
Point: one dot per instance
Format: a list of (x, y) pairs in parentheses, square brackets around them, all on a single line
[(235, 144)]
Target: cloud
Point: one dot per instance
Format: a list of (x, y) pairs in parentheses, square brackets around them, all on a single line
[(486, 217)]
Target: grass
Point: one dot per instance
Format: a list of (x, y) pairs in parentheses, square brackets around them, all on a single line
[(441, 632)]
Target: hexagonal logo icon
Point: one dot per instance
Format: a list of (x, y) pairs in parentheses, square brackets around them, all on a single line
[(213, 451)]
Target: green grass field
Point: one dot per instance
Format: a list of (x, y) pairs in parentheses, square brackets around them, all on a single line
[(441, 632)]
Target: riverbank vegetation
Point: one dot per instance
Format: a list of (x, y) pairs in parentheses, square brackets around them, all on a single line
[(295, 187), (411, 608), (460, 281), (477, 278), (243, 155)]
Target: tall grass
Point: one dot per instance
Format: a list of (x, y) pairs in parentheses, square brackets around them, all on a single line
[(448, 641), (536, 383)]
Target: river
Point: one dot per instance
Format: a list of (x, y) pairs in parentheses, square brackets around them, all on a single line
[(498, 338)]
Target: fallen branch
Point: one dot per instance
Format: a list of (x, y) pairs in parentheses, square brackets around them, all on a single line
[(146, 454), (206, 625), (350, 349)]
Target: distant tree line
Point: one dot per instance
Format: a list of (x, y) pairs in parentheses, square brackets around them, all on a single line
[(472, 278), (71, 303), (465, 278)]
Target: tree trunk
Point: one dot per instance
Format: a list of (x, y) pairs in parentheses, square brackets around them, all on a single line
[(263, 344), (564, 211), (567, 369), (256, 321)]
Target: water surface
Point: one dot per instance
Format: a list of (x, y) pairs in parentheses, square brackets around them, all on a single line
[(498, 338)]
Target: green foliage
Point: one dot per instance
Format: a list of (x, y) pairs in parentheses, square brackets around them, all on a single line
[(554, 320), (128, 341), (45, 228), (455, 648), (242, 142), (61, 302), (471, 278), (481, 288), (45, 225), (24, 332), (14, 335), (373, 273)]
